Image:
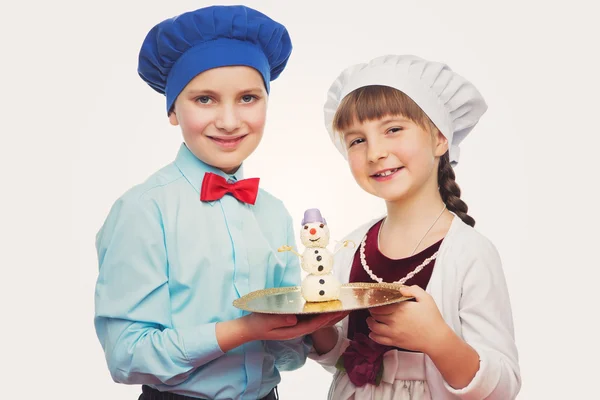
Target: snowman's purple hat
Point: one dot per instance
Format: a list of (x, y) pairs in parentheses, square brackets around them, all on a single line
[(313, 215)]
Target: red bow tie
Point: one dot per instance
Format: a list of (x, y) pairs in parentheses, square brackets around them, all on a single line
[(214, 187)]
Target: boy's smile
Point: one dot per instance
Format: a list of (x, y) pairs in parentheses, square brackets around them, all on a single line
[(227, 142), (222, 114)]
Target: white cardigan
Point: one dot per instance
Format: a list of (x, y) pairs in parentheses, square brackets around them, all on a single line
[(469, 288)]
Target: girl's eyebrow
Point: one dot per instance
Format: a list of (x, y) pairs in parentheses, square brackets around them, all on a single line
[(352, 132), (396, 119)]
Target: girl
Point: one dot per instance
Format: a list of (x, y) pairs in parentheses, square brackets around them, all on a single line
[(399, 120)]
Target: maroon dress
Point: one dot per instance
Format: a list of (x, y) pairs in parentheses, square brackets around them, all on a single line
[(387, 269)]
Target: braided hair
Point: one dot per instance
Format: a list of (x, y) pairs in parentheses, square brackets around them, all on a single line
[(450, 191)]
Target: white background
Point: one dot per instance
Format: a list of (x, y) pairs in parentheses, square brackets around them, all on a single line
[(79, 128)]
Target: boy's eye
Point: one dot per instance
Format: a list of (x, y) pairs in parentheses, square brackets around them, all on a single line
[(203, 99), (248, 98), (395, 129)]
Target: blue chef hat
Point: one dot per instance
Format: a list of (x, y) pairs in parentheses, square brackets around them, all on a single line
[(178, 49)]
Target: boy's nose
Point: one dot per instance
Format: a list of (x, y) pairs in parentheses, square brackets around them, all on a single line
[(313, 231), (227, 119)]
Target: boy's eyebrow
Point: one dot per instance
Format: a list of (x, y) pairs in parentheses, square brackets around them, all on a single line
[(194, 92), (254, 89)]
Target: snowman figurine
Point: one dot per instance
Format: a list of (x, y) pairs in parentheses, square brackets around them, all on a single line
[(320, 284)]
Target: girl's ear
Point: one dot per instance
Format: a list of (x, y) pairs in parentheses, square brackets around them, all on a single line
[(441, 143), (173, 118)]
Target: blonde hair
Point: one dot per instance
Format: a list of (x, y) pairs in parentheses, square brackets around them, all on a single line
[(375, 102)]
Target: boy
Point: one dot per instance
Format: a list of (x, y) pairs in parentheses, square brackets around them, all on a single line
[(175, 251)]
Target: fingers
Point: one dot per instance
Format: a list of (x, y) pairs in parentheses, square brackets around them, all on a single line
[(384, 340), (305, 327), (279, 320), (384, 310), (312, 324), (383, 319), (289, 320), (302, 328), (413, 291), (323, 320), (378, 328), (407, 291), (337, 317)]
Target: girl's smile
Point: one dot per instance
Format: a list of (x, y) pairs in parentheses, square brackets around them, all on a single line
[(386, 174), (393, 157)]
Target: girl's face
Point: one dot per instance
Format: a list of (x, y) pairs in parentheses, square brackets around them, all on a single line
[(393, 157), (222, 114)]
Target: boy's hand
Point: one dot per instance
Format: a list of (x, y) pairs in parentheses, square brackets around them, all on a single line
[(335, 318), (285, 327), (255, 326)]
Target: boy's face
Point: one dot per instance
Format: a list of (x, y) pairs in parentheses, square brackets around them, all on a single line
[(222, 114)]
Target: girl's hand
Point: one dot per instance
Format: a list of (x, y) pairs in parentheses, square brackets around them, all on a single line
[(411, 325), (325, 339)]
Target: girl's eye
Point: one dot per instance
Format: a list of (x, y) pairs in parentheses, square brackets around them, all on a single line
[(394, 129), (203, 99), (248, 98), (355, 141)]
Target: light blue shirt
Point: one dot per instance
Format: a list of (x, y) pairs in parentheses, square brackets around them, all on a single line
[(170, 268)]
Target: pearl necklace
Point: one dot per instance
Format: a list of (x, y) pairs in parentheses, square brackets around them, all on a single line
[(363, 259)]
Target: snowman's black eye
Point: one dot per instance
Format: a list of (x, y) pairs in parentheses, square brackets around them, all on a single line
[(321, 226), (305, 226)]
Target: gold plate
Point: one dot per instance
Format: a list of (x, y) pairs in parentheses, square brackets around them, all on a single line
[(289, 300)]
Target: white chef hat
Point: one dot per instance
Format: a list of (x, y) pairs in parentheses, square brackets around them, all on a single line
[(452, 103)]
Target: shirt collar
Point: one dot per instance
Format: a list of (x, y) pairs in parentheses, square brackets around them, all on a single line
[(193, 169)]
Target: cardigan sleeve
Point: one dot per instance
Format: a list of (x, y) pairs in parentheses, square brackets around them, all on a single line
[(328, 360), (487, 326)]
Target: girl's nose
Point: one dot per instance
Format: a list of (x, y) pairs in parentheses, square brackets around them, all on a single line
[(376, 151), (313, 231)]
